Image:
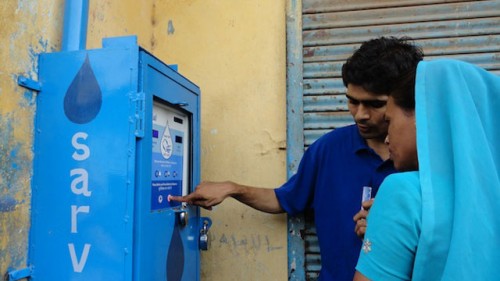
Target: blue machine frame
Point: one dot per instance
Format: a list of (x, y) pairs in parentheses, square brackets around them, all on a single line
[(92, 217)]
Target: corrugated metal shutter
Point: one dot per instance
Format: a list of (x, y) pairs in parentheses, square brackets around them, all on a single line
[(332, 30)]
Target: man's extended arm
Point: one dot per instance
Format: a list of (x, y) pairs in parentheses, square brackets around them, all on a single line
[(209, 194)]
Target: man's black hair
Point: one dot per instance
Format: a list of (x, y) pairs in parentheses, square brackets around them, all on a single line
[(379, 63)]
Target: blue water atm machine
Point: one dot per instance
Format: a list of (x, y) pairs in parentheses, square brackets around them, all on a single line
[(117, 131)]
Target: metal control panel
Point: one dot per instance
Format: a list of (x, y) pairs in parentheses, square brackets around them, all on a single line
[(170, 152)]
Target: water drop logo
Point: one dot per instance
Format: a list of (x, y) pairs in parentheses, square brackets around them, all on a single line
[(166, 143), (175, 256), (83, 98)]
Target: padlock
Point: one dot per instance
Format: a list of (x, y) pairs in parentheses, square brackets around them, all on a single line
[(204, 239)]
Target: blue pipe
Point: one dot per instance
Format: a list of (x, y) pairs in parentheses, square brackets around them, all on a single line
[(74, 35)]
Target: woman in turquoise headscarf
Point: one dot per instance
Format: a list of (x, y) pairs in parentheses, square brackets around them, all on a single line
[(437, 219)]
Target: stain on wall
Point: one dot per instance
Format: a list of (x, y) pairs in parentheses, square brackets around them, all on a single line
[(110, 18)]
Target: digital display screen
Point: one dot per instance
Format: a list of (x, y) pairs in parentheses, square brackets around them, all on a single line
[(178, 120)]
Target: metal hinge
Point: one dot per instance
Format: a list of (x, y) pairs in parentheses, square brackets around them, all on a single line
[(18, 274), (139, 101)]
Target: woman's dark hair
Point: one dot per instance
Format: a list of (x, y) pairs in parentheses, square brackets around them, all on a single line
[(403, 93), (379, 63)]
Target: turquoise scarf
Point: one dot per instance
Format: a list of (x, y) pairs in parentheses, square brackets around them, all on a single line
[(458, 139)]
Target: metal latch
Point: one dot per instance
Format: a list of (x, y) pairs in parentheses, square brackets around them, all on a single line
[(183, 218), (204, 239)]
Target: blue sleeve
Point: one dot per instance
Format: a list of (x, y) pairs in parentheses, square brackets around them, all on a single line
[(394, 222), (297, 194)]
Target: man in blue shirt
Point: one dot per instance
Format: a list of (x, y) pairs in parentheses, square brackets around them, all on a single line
[(334, 169)]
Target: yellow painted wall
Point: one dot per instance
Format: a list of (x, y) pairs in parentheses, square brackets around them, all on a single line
[(26, 28), (234, 50)]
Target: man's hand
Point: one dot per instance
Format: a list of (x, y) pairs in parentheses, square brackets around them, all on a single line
[(207, 194), (360, 218)]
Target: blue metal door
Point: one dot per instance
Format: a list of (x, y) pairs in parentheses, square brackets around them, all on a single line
[(83, 182), (170, 250)]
